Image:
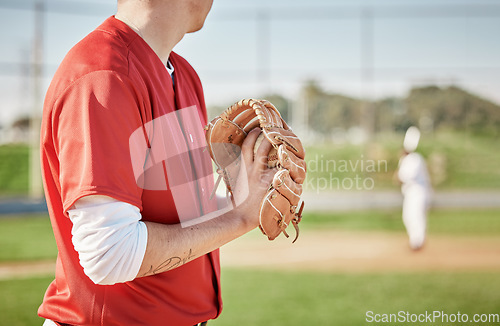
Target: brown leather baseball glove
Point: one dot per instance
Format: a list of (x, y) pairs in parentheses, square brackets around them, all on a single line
[(225, 135)]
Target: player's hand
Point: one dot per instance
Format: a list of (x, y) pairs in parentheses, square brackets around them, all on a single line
[(254, 178)]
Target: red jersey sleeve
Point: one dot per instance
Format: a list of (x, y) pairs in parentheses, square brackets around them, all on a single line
[(92, 123)]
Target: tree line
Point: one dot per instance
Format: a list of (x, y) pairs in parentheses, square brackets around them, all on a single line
[(431, 107)]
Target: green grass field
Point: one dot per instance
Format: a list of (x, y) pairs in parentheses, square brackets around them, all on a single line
[(14, 164), (281, 298), (290, 298), (270, 297), (28, 237), (440, 221), (19, 300), (454, 160)]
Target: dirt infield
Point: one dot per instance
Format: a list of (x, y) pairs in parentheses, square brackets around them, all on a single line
[(26, 269), (344, 251), (336, 251)]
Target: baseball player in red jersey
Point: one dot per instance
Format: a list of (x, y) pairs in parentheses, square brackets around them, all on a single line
[(120, 140)]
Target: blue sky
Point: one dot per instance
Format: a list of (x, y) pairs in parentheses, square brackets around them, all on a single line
[(236, 55)]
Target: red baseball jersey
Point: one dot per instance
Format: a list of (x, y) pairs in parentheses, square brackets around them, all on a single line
[(110, 91)]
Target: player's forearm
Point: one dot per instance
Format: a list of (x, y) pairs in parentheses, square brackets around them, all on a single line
[(170, 246)]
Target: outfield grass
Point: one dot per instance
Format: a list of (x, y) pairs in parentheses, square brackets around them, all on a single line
[(26, 237), (281, 298), (20, 299), (440, 221), (455, 161), (293, 298), (14, 166)]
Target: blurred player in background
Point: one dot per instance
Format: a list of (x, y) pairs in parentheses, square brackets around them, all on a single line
[(416, 189)]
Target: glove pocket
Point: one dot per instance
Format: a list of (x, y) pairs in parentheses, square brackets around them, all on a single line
[(224, 140)]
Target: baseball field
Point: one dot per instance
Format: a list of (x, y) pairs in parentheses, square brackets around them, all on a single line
[(347, 268)]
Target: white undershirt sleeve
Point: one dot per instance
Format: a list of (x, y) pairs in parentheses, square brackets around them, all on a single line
[(110, 238)]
